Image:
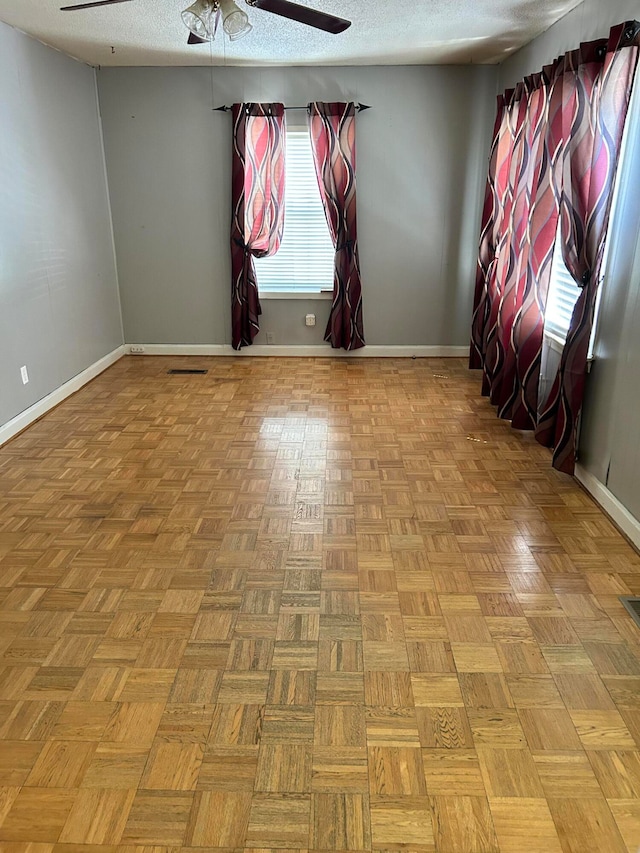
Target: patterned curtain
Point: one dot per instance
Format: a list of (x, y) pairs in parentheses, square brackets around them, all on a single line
[(540, 239), (258, 207), (505, 266), (503, 189), (598, 79), (489, 236), (526, 165), (332, 128), (555, 150)]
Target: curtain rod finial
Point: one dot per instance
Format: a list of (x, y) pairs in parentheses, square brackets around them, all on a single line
[(222, 109), (362, 107)]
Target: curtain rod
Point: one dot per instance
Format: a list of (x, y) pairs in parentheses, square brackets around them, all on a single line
[(226, 109)]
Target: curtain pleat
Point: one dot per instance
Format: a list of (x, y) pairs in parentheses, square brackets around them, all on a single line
[(541, 235), (508, 153), (489, 232), (332, 130), (258, 181), (507, 387)]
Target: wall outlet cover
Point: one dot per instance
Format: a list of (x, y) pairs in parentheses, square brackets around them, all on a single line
[(24, 374), (310, 320), (136, 350)]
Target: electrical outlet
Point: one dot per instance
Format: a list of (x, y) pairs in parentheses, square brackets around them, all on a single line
[(136, 350), (269, 337), (310, 320), (24, 374)]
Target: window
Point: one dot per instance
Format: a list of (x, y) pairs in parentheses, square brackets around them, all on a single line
[(563, 294), (304, 262)]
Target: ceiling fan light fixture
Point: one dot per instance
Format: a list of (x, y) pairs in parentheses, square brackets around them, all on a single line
[(199, 19), (235, 22)]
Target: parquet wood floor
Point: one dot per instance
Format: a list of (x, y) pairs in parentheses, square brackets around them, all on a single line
[(308, 605)]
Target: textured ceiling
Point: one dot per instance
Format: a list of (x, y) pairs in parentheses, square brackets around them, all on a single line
[(384, 32)]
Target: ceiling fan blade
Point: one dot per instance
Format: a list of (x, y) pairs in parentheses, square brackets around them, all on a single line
[(91, 5), (310, 17)]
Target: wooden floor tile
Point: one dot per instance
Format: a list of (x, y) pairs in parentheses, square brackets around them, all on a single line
[(566, 775), (61, 764), (193, 685), (626, 814), (602, 730), (228, 768), (405, 820), (549, 729), (243, 687), (284, 768), (292, 687), (17, 759), (340, 656), (509, 773), (586, 826), (340, 822), (340, 769), (147, 685), (396, 771), (173, 767), (430, 656), (38, 814), (463, 823), (97, 817), (219, 819), (340, 688), (115, 766), (392, 726), (158, 818), (308, 605), (444, 728), (453, 772), (436, 690), (279, 821), (132, 722), (618, 773), (524, 826), (534, 691), (339, 725), (485, 690), (386, 656), (288, 724), (499, 728)]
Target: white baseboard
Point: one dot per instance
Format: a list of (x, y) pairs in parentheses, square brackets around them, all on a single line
[(37, 410), (618, 513), (319, 351)]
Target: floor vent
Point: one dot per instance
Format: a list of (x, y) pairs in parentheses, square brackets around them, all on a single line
[(632, 603), (186, 370)]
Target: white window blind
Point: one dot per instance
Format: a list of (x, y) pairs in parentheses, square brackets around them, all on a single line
[(304, 261), (563, 294)]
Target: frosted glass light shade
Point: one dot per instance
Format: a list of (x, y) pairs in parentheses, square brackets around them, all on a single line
[(199, 19), (235, 22)]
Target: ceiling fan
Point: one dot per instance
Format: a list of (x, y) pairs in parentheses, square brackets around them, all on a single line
[(203, 17)]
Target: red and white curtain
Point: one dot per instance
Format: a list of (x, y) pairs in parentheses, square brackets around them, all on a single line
[(258, 180), (332, 128), (555, 152)]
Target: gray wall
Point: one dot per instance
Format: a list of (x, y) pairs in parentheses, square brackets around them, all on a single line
[(59, 309), (610, 434), (421, 168)]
